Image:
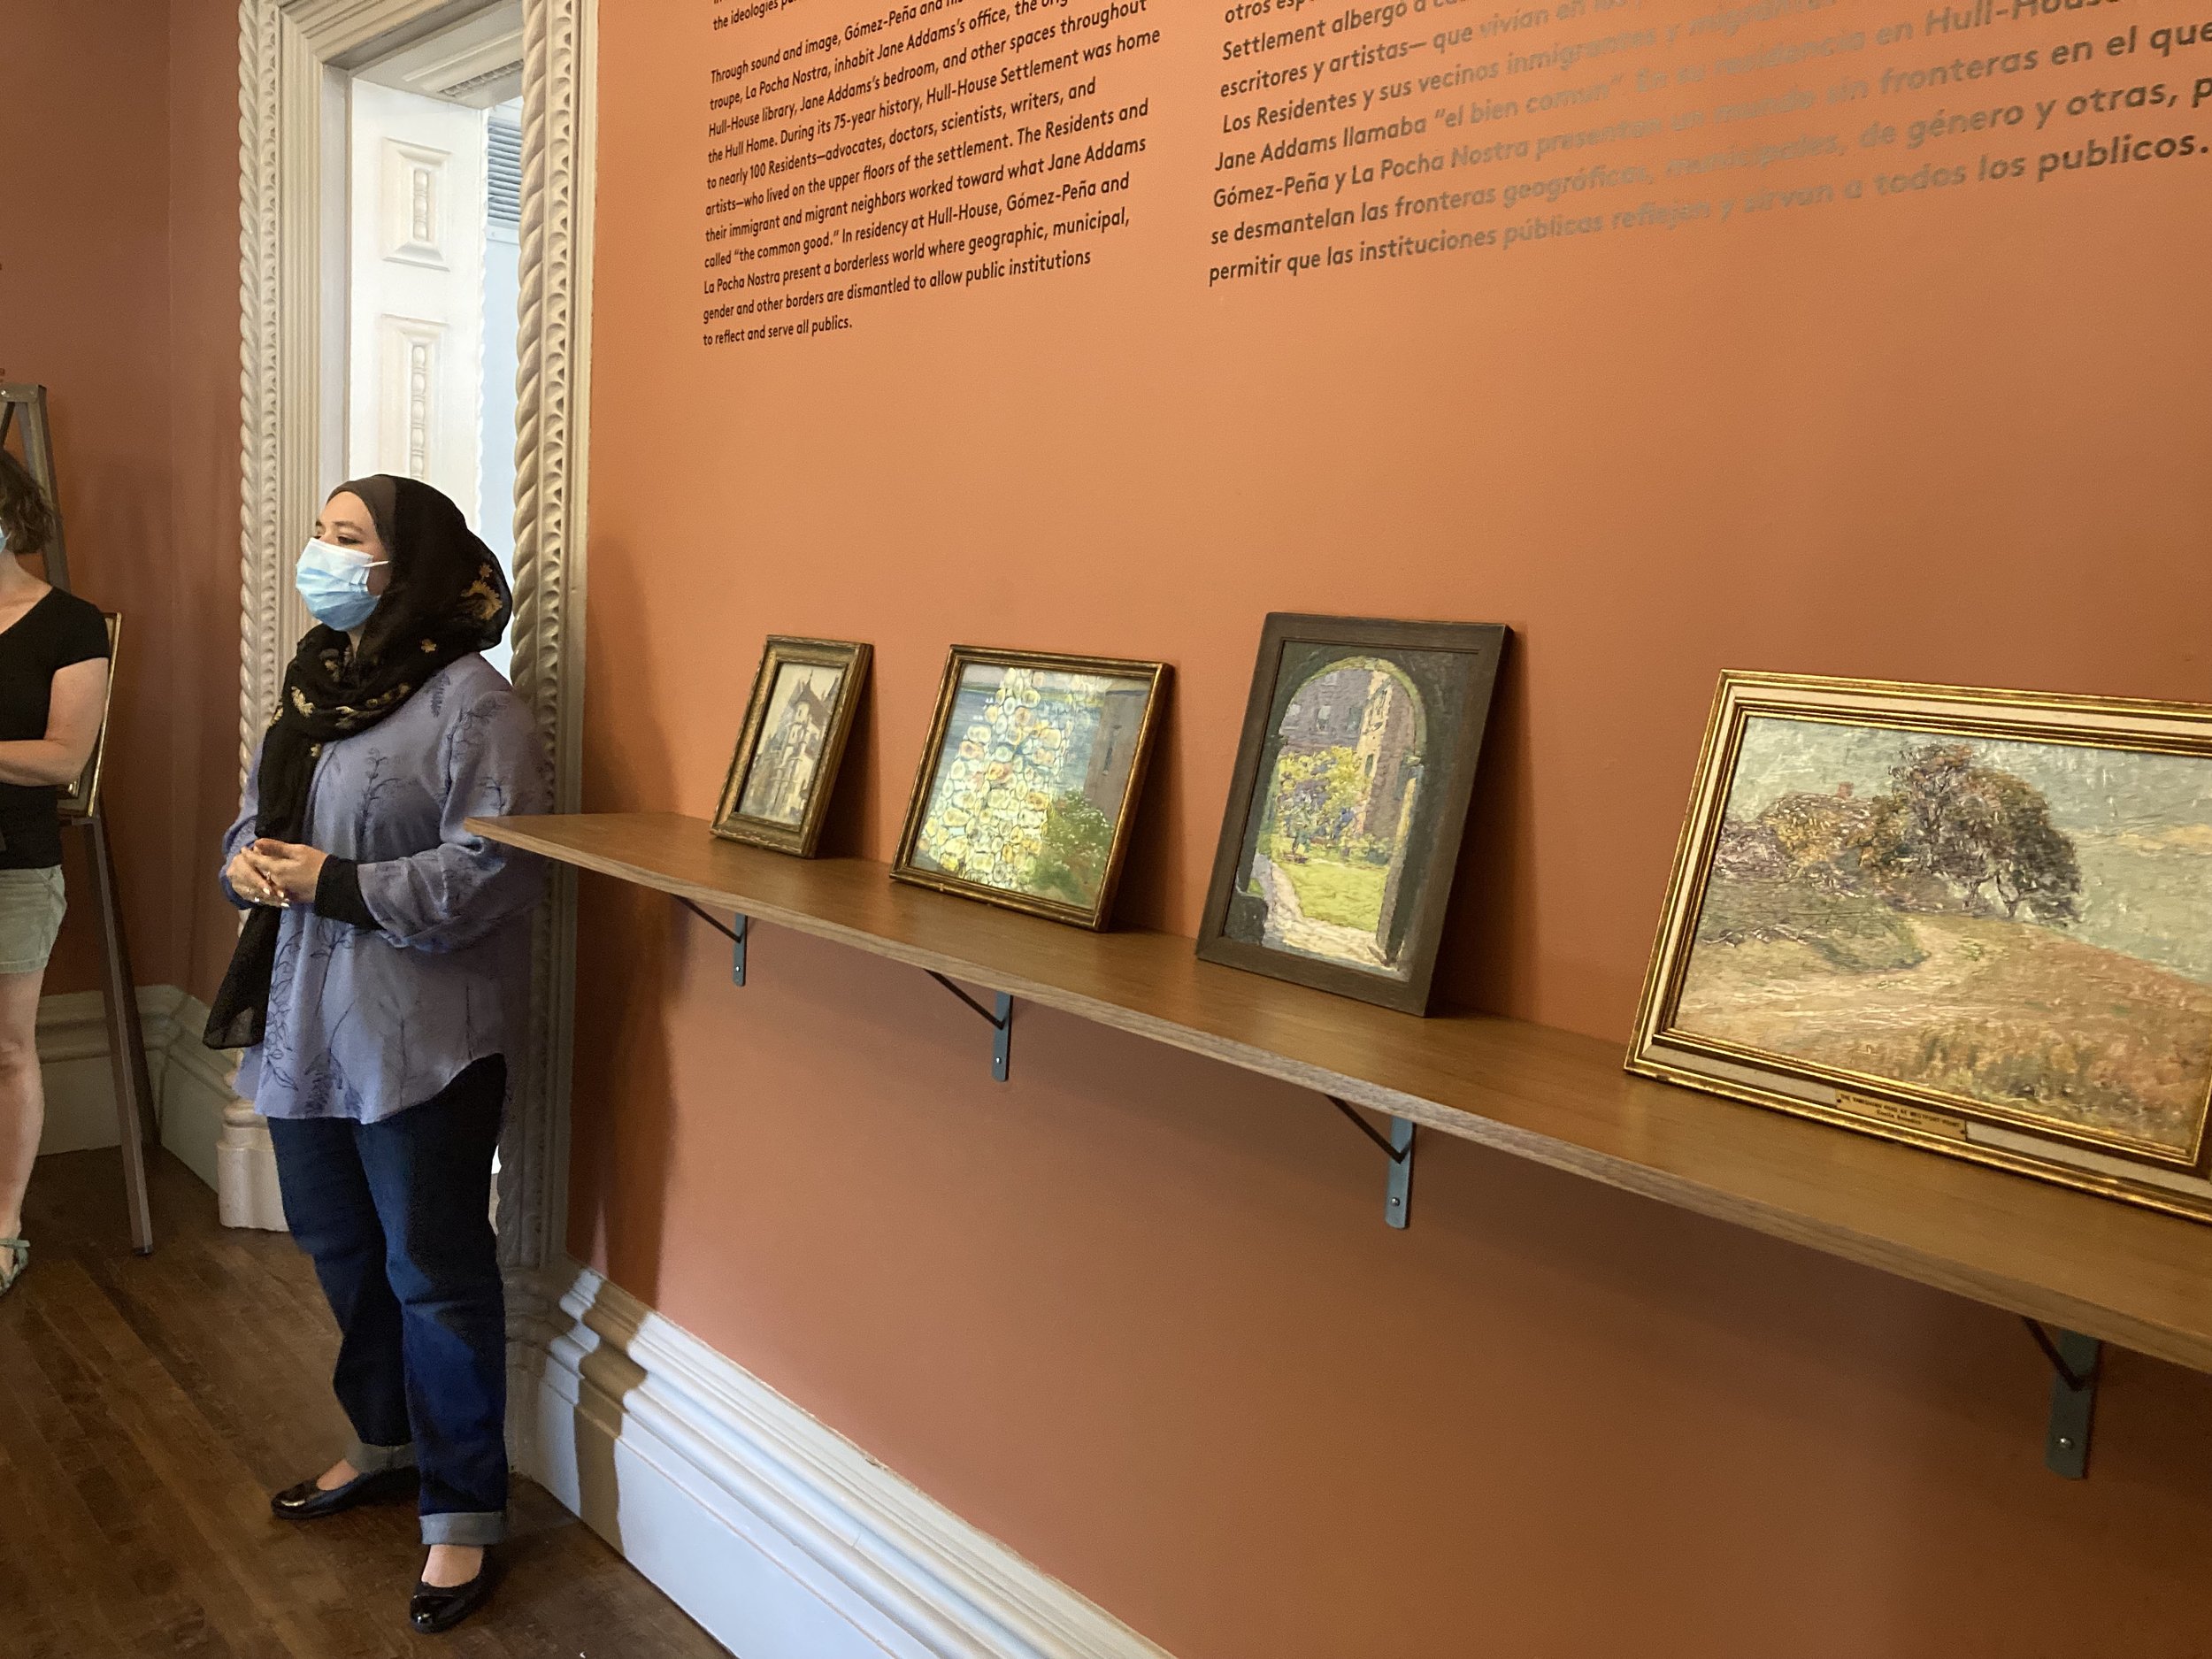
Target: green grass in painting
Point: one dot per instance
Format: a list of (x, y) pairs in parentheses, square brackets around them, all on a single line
[(1851, 934), (1348, 895)]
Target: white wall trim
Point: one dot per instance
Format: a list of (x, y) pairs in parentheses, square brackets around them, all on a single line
[(203, 1120), (781, 1538), (560, 73), (72, 1054)]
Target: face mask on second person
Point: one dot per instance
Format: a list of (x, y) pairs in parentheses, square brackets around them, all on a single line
[(334, 583)]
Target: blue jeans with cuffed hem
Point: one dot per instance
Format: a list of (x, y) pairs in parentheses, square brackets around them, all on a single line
[(396, 1215)]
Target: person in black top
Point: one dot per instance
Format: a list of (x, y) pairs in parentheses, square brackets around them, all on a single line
[(53, 685)]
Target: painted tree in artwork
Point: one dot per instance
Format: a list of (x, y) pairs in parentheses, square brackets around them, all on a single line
[(1984, 833), (1951, 833)]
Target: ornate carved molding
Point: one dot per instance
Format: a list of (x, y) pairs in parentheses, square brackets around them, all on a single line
[(261, 577), (284, 47), (552, 388)]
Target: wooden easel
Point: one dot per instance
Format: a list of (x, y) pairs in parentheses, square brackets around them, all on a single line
[(79, 805)]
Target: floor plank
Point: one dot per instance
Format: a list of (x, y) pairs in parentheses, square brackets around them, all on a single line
[(147, 1406)]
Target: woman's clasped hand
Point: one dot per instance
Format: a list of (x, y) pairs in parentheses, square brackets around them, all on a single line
[(276, 873)]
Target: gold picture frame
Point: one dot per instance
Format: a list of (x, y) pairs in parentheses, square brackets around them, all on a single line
[(1028, 802), (1979, 922), (785, 769)]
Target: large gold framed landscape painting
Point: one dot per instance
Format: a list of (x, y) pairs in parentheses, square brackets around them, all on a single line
[(1977, 921)]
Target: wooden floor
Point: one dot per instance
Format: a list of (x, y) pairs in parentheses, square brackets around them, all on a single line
[(148, 1407)]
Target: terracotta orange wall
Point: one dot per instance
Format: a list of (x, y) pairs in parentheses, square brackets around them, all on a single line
[(119, 259), (204, 499), (85, 310), (1137, 1315)]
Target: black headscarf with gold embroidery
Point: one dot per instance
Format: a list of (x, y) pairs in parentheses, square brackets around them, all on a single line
[(446, 598)]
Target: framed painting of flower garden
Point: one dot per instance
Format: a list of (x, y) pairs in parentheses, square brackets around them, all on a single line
[(1029, 782), (1977, 921), (1351, 788)]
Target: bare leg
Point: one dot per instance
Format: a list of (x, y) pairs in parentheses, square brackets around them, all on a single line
[(337, 1475), (22, 1093)]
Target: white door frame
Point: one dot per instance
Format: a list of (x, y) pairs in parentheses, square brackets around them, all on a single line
[(292, 56)]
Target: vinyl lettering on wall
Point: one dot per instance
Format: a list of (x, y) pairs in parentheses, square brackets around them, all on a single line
[(1354, 135), (921, 149), (859, 162)]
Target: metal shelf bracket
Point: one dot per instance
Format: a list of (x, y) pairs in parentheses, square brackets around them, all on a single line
[(2075, 1361), (1398, 1148), (736, 934), (1002, 1024)]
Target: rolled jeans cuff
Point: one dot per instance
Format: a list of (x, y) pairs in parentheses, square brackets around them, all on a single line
[(375, 1460), (477, 1528)]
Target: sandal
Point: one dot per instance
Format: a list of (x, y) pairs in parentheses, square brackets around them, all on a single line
[(15, 1255)]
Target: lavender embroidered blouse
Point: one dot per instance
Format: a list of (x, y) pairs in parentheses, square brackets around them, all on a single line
[(366, 1022)]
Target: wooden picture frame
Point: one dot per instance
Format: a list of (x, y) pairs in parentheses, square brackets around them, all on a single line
[(1354, 774), (1979, 922), (793, 742), (1027, 788), (79, 799)]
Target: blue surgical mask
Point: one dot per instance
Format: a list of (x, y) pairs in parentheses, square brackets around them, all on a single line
[(334, 583)]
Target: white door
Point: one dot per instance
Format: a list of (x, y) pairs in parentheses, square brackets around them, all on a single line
[(416, 357)]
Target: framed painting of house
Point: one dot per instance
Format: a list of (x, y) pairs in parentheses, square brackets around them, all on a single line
[(1352, 783), (1977, 921), (1029, 782), (785, 769)]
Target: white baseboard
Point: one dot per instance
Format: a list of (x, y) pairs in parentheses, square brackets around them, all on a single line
[(196, 1092), (782, 1539), (246, 1193), (203, 1120), (73, 1052)]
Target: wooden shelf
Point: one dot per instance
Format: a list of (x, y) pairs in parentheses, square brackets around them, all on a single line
[(2109, 1270)]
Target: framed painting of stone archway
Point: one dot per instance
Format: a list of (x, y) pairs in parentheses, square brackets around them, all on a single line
[(1977, 921), (1352, 779)]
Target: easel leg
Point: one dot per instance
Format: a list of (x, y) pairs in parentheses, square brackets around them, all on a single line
[(127, 1038)]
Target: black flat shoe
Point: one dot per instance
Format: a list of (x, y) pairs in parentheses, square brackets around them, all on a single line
[(431, 1610), (307, 1502)]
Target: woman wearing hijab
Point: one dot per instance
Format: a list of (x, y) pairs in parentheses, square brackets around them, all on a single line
[(53, 685), (379, 985)]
